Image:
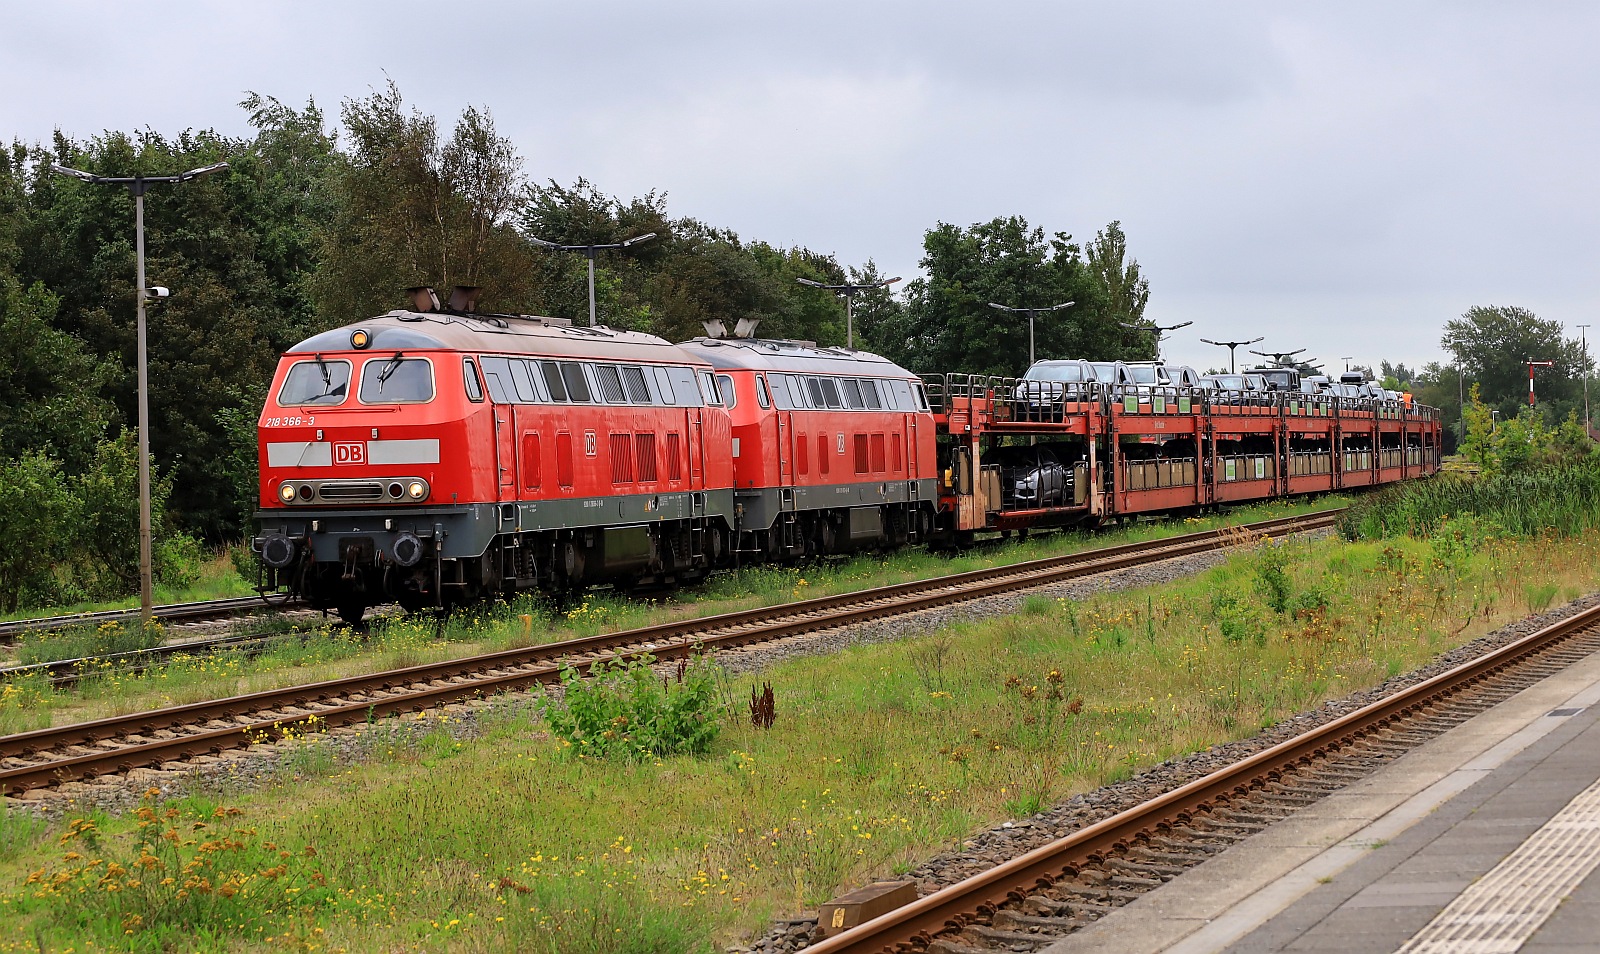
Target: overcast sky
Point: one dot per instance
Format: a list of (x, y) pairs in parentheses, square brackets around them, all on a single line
[(1345, 178)]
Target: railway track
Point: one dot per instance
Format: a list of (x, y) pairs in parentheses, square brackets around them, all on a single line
[(85, 750), (1036, 898), (168, 613)]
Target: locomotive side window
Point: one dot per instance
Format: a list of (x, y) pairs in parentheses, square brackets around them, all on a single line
[(683, 385), (610, 383), (830, 392), (664, 386), (316, 382), (552, 380), (922, 397), (708, 389), (852, 393), (869, 393), (527, 387), (780, 392), (633, 380), (902, 396), (577, 384), (497, 374), (469, 376), (396, 380), (725, 386), (762, 397), (814, 390)]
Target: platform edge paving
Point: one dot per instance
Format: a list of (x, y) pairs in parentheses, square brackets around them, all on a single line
[(1227, 897)]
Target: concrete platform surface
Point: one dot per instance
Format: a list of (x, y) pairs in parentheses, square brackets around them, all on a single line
[(1370, 868)]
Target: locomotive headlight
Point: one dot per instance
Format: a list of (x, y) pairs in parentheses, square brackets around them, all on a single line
[(286, 493), (417, 489), (360, 338)]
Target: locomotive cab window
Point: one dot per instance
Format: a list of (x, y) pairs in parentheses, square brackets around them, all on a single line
[(316, 382), (469, 377), (397, 380), (762, 397), (725, 387), (708, 389)]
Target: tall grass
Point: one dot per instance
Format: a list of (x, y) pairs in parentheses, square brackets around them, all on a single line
[(1562, 499)]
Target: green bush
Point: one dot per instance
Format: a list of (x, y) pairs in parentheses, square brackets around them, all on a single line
[(622, 710), (1559, 498)]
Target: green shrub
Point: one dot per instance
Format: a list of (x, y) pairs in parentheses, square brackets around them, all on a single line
[(1561, 498), (623, 711), (1272, 577)]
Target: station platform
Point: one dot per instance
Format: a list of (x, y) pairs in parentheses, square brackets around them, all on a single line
[(1483, 840)]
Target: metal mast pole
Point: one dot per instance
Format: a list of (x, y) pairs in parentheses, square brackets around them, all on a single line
[(591, 287), (146, 584), (850, 319), (1584, 331)]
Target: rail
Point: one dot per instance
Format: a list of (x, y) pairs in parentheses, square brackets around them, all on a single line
[(913, 926), (363, 698)]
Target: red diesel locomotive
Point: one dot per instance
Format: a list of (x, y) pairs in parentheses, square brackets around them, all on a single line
[(434, 456), (833, 449)]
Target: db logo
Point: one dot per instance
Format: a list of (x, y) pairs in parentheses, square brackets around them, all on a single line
[(353, 452)]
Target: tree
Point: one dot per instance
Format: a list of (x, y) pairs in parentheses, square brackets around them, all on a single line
[(37, 513), (1124, 291), (1492, 345), (51, 387), (409, 210), (952, 328)]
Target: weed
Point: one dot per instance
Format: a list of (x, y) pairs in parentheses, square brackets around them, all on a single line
[(622, 711)]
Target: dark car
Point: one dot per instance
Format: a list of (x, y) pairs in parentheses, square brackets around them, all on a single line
[(1031, 478)]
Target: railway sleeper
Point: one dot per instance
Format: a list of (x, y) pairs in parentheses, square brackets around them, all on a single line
[(950, 945), (1146, 868), (1113, 896), (1009, 920), (1010, 940), (1181, 858), (1197, 843), (1259, 818), (1042, 905)]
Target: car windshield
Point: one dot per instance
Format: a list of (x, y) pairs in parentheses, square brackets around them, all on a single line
[(1070, 373), (1143, 374), (1230, 382), (1104, 370)]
